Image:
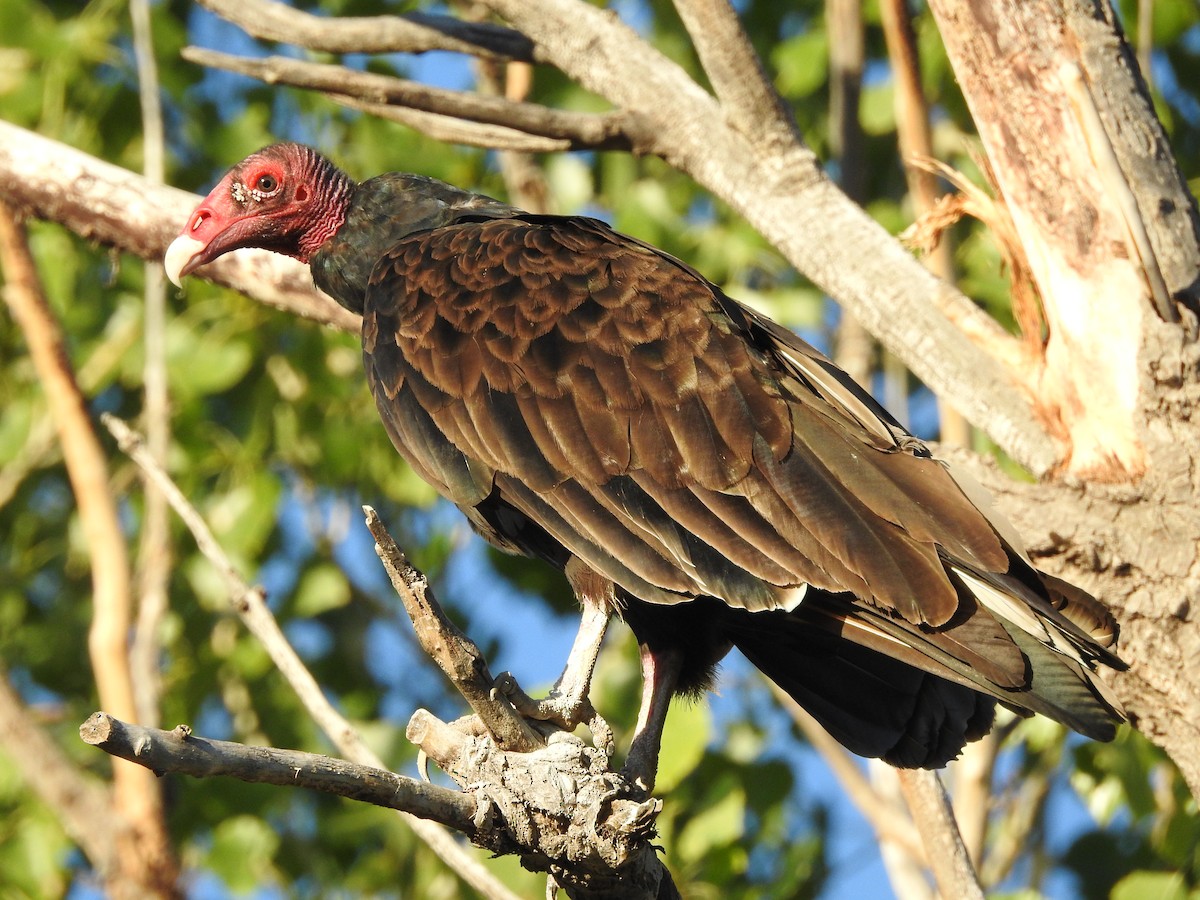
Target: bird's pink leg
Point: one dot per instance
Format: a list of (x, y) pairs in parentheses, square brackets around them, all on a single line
[(660, 673)]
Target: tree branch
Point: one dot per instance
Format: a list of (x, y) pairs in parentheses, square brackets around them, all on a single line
[(455, 131), (179, 752), (915, 140), (407, 33), (571, 130), (749, 102), (79, 800), (154, 550), (542, 797)]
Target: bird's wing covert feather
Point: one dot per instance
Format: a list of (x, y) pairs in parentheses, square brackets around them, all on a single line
[(671, 439)]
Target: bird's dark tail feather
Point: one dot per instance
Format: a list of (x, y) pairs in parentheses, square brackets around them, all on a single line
[(912, 696), (874, 705)]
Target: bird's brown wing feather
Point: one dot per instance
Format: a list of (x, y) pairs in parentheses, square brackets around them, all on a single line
[(651, 426)]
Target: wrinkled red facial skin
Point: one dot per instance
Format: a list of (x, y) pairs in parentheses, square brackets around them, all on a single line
[(262, 202)]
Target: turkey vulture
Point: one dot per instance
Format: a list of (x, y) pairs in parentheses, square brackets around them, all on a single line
[(692, 466)]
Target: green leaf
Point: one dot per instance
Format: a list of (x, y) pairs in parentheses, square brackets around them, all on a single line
[(684, 738), (323, 587), (1150, 886), (877, 109), (205, 365), (242, 852), (718, 825), (801, 63), (244, 516), (15, 421)]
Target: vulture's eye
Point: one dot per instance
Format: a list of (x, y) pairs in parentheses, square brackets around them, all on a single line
[(266, 183)]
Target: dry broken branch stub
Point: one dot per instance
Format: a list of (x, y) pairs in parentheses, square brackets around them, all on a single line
[(564, 810), (249, 604)]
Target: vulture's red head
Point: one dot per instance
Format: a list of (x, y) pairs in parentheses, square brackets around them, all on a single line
[(286, 197)]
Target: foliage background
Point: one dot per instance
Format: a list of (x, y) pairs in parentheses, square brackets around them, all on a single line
[(275, 438)]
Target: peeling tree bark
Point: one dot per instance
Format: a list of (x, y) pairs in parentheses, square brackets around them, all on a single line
[(1102, 211)]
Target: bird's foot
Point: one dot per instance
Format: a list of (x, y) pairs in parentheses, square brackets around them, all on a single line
[(564, 710)]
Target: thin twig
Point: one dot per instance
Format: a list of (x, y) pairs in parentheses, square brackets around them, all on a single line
[(409, 33), (1145, 40), (145, 860), (179, 752), (909, 879), (973, 793), (934, 819), (450, 130), (853, 346), (154, 550), (454, 652), (250, 606), (575, 130)]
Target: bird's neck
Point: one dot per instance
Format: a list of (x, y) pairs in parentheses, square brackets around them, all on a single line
[(335, 190), (380, 214)]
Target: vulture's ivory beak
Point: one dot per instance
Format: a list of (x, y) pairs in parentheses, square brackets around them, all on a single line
[(178, 259)]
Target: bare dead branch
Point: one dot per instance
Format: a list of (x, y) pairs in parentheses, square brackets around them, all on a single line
[(913, 134), (972, 774), (524, 180), (570, 130), (627, 823), (179, 752), (934, 819), (408, 33), (106, 203), (144, 858), (250, 606), (455, 653), (455, 131)]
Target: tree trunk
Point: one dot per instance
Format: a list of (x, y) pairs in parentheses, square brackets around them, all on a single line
[(1111, 236)]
